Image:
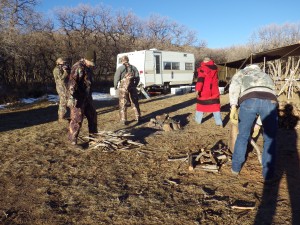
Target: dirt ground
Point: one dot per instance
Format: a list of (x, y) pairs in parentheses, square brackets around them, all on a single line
[(45, 180)]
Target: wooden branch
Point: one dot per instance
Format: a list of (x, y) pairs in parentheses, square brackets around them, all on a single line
[(243, 207), (182, 158), (255, 146)]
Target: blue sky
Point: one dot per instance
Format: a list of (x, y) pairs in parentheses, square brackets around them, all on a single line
[(221, 23)]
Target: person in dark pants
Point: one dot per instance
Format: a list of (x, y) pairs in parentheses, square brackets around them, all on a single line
[(80, 96), (128, 78), (254, 92)]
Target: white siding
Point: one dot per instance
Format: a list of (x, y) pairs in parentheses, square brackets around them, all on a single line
[(144, 61)]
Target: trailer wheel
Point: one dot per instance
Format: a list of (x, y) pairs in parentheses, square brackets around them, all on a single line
[(166, 88)]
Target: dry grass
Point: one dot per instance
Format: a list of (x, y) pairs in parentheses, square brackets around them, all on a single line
[(43, 180)]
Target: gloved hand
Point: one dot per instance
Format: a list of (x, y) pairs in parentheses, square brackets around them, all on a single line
[(255, 131), (71, 102), (234, 115)]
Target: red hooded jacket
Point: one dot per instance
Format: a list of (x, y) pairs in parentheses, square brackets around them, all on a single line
[(208, 98)]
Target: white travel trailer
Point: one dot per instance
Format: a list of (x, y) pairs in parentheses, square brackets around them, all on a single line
[(162, 68)]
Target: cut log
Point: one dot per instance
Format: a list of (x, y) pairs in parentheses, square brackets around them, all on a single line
[(167, 127), (191, 162), (210, 167)]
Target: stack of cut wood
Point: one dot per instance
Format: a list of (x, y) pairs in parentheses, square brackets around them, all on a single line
[(111, 141), (164, 122), (209, 160)]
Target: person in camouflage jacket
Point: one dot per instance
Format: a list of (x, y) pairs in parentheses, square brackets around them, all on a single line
[(127, 76), (80, 97), (61, 74), (254, 92)]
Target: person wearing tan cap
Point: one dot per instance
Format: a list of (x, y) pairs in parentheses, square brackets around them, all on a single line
[(80, 96), (128, 77), (61, 74)]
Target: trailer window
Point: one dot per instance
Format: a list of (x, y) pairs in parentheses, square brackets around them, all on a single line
[(157, 62), (171, 65), (167, 65), (175, 65), (188, 66)]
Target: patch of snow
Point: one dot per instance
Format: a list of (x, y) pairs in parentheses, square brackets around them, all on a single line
[(102, 96), (54, 98)]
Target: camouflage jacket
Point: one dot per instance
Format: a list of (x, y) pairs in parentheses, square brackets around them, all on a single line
[(60, 75), (80, 81), (251, 83), (120, 73)]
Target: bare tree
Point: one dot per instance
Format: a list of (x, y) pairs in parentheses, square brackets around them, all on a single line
[(274, 36)]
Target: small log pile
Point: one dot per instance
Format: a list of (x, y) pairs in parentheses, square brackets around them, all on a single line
[(164, 122), (209, 160), (112, 141), (288, 116)]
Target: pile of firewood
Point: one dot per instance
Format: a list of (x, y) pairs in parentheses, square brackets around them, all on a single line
[(209, 160), (112, 141), (164, 122)]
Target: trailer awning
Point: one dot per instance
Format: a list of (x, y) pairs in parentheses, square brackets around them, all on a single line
[(277, 53)]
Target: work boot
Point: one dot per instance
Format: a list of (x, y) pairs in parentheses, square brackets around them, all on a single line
[(60, 119), (234, 173), (77, 146), (138, 120)]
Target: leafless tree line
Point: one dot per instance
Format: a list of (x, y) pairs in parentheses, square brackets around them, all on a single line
[(31, 43)]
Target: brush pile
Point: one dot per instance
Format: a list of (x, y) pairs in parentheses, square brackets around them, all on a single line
[(112, 141), (164, 122), (209, 160)]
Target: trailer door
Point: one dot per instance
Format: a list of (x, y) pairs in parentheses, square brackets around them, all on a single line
[(157, 69)]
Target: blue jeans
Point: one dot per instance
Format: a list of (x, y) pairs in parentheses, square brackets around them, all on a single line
[(267, 110), (217, 116)]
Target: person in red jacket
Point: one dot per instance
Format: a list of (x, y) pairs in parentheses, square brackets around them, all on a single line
[(207, 88)]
